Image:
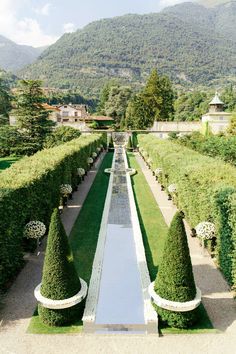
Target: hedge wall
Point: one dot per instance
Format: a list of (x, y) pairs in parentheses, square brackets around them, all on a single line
[(206, 192), (29, 190)]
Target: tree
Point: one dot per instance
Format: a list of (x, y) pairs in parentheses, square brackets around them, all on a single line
[(159, 96), (190, 106), (61, 135), (228, 96), (5, 103), (232, 128), (60, 280), (32, 118), (10, 140), (117, 102), (175, 281), (138, 114)]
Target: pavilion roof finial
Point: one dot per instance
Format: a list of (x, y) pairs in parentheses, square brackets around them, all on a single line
[(216, 100)]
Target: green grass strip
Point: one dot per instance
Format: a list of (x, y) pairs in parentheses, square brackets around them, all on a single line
[(154, 230), (83, 240), (6, 162), (152, 223)]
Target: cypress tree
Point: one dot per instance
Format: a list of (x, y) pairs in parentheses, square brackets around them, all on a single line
[(60, 280), (175, 281)]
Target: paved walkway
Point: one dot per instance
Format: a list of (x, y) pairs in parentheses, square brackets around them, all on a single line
[(217, 298), (120, 299)]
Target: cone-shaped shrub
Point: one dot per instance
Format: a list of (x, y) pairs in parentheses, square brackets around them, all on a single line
[(111, 144), (175, 281), (60, 280), (129, 145)]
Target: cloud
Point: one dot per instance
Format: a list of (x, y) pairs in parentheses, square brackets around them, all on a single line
[(44, 10), (69, 27), (21, 30), (166, 3)]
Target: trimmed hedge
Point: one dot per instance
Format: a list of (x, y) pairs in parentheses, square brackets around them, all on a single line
[(29, 190), (223, 147), (206, 192)]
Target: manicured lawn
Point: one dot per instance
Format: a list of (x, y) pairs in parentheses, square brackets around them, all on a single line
[(154, 230), (153, 225), (83, 240), (6, 162)]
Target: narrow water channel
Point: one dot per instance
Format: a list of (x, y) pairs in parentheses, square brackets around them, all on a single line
[(120, 300)]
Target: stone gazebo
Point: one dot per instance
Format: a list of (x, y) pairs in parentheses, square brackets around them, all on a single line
[(217, 119)]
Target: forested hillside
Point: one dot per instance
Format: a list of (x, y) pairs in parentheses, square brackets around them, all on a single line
[(127, 48), (14, 56)]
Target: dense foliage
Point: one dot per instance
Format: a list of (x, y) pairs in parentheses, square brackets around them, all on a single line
[(127, 48), (175, 281), (116, 103), (57, 97), (202, 183), (223, 147), (60, 280), (190, 106), (32, 185), (5, 103), (154, 103), (61, 135), (32, 117)]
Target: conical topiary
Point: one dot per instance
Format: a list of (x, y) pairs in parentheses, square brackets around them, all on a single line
[(111, 143), (60, 280), (129, 144), (175, 281)]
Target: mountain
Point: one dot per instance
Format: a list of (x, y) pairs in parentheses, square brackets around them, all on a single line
[(14, 56), (219, 19), (183, 42), (9, 78), (212, 3)]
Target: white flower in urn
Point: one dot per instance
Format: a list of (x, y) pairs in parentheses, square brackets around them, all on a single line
[(90, 160), (94, 155), (172, 188), (65, 190), (101, 146), (206, 230), (98, 149), (34, 229), (158, 171), (80, 172)]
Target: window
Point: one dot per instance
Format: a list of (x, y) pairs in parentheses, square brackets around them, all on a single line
[(76, 114)]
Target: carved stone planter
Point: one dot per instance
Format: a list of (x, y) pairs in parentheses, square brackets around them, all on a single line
[(174, 305), (61, 304)]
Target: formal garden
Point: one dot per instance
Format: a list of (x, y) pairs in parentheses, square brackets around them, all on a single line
[(42, 187)]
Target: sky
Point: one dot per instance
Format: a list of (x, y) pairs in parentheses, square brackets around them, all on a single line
[(42, 22)]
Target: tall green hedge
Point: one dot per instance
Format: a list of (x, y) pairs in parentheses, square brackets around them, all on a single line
[(29, 190), (206, 192)]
